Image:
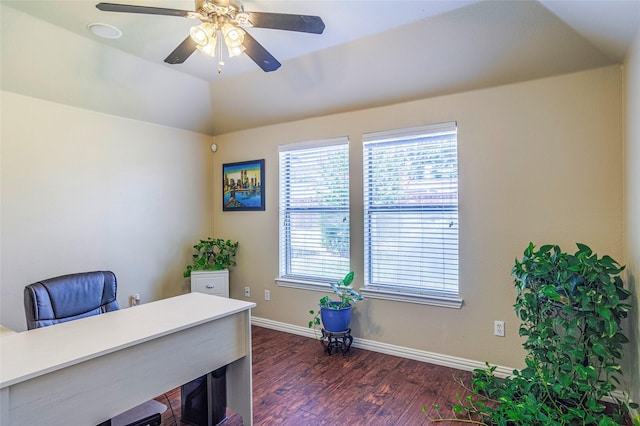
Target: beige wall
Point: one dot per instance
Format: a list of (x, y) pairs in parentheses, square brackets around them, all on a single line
[(539, 161), (85, 191), (632, 205)]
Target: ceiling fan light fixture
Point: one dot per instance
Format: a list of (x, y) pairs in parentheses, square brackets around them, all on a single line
[(235, 51), (207, 49), (233, 36), (203, 34), (234, 39)]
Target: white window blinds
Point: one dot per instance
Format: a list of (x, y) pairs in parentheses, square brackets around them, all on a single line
[(411, 210), (314, 210)]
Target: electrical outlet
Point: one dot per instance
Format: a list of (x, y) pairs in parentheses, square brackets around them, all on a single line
[(267, 295), (134, 300), (498, 328), (247, 292)]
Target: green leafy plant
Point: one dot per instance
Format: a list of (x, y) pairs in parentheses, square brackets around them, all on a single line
[(212, 255), (347, 296), (571, 307)]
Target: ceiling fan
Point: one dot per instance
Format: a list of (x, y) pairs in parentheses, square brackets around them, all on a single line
[(226, 20)]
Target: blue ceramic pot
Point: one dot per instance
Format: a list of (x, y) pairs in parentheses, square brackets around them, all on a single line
[(335, 320)]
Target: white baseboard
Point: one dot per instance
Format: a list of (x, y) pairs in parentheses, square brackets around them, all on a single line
[(385, 348), (404, 352)]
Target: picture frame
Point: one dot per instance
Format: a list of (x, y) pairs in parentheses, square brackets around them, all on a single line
[(243, 186)]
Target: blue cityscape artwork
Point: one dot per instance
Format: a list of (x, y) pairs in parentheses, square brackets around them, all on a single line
[(242, 185)]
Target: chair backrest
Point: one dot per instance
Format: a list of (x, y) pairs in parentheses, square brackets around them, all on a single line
[(69, 297)]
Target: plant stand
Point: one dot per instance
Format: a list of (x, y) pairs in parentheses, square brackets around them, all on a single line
[(336, 340)]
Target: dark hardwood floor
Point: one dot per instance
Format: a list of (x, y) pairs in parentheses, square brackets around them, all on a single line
[(296, 383)]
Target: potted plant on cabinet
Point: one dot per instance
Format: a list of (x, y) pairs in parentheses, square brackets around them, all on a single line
[(212, 255), (210, 269), (336, 314)]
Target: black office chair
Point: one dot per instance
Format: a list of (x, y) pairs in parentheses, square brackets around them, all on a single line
[(74, 296)]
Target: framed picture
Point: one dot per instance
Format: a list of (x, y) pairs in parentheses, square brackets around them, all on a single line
[(243, 186)]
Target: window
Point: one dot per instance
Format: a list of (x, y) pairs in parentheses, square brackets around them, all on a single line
[(411, 214), (314, 212)]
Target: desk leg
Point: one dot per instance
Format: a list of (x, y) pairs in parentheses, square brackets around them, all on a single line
[(239, 382), (4, 407)]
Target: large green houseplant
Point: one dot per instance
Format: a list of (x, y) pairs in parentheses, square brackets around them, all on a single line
[(212, 255), (571, 307), (336, 311)]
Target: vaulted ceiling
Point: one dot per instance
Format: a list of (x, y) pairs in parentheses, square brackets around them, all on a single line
[(371, 53)]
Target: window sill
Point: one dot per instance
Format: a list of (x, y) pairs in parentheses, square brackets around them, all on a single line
[(423, 299)]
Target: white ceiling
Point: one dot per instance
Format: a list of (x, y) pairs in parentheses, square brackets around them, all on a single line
[(372, 53)]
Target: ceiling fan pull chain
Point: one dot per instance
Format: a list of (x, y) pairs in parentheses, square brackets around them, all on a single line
[(220, 62)]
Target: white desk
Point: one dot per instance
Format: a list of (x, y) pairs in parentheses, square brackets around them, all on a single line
[(5, 331), (86, 371)]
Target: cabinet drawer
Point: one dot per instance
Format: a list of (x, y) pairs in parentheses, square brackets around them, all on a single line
[(216, 283)]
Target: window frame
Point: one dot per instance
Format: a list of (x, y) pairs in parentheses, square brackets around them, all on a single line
[(442, 298), (285, 278)]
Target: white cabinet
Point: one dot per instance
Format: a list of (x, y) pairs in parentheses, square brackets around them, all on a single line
[(211, 282)]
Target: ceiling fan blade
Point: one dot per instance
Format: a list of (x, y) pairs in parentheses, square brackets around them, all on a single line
[(288, 22), (259, 54), (182, 52), (113, 7)]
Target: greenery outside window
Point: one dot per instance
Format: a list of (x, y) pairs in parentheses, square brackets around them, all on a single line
[(411, 215), (314, 213)]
